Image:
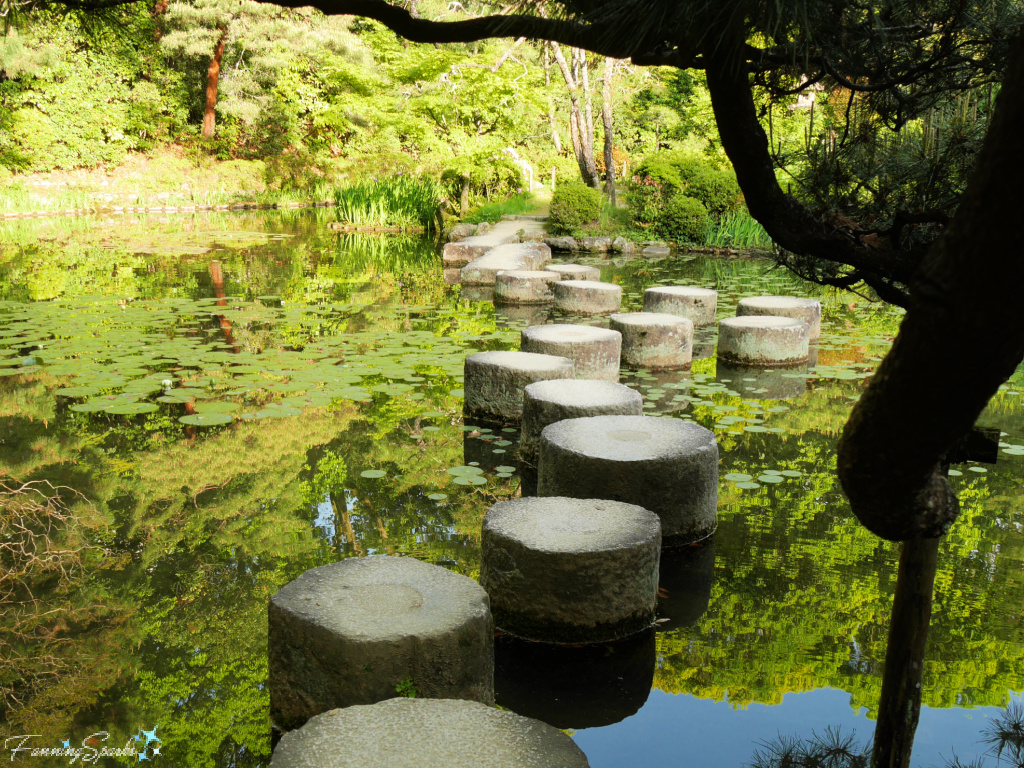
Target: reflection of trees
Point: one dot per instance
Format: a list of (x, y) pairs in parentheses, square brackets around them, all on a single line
[(822, 585)]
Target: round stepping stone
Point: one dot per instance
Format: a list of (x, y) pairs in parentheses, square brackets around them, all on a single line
[(524, 287), (763, 340), (755, 383), (350, 632), (575, 271), (654, 340), (567, 570), (494, 381), (807, 310), (665, 465), (550, 401), (587, 297), (593, 351), (426, 733), (697, 304)]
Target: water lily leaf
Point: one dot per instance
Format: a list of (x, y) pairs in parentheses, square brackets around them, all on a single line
[(206, 419), (373, 473)]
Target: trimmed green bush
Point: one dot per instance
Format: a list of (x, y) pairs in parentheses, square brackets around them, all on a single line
[(684, 219), (665, 179), (572, 206)]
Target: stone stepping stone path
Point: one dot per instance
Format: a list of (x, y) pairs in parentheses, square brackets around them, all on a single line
[(353, 631), (806, 310), (668, 466), (763, 340), (696, 304), (587, 297), (654, 340), (549, 401), (575, 271), (594, 351), (464, 251), (569, 570), (426, 733), (523, 287), (514, 256), (494, 382)]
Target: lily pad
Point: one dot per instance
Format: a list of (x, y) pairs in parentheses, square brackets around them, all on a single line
[(373, 473), (206, 419)]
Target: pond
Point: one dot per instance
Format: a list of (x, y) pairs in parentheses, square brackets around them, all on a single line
[(229, 400)]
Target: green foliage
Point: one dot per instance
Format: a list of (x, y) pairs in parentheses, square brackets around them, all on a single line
[(394, 201), (684, 219), (573, 206), (666, 186), (492, 212), (737, 229), (407, 689)]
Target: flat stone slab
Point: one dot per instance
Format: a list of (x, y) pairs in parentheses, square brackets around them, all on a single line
[(426, 733), (351, 632), (575, 271), (514, 256), (550, 401), (587, 297), (654, 340), (696, 304), (525, 287), (807, 310), (593, 351), (763, 340), (665, 465), (569, 570), (464, 251), (494, 381)]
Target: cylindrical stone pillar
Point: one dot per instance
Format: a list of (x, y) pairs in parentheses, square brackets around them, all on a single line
[(351, 632), (654, 340), (763, 340), (594, 351), (426, 733), (807, 310), (697, 304), (570, 570), (525, 287), (587, 297), (494, 382), (575, 271), (549, 401), (665, 465)]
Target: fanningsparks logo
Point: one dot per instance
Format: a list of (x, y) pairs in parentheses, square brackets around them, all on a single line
[(144, 745)]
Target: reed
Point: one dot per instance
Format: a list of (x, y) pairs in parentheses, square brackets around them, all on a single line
[(389, 202)]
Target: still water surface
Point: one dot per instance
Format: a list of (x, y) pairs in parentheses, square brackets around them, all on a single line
[(240, 398)]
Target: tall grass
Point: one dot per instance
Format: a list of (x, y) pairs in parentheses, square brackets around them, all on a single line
[(737, 230), (493, 211), (399, 201)]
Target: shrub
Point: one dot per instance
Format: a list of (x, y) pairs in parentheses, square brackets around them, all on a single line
[(663, 179), (572, 206), (684, 218)]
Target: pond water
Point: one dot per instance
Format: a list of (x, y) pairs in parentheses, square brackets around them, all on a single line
[(230, 400)]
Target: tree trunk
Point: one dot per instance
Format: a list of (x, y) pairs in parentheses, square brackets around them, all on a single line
[(577, 122), (964, 302), (464, 198), (609, 136), (212, 77), (555, 138)]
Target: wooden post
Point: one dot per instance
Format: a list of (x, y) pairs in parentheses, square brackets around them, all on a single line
[(552, 178)]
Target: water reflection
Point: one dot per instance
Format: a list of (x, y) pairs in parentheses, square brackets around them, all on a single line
[(574, 686), (684, 584), (757, 383)]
